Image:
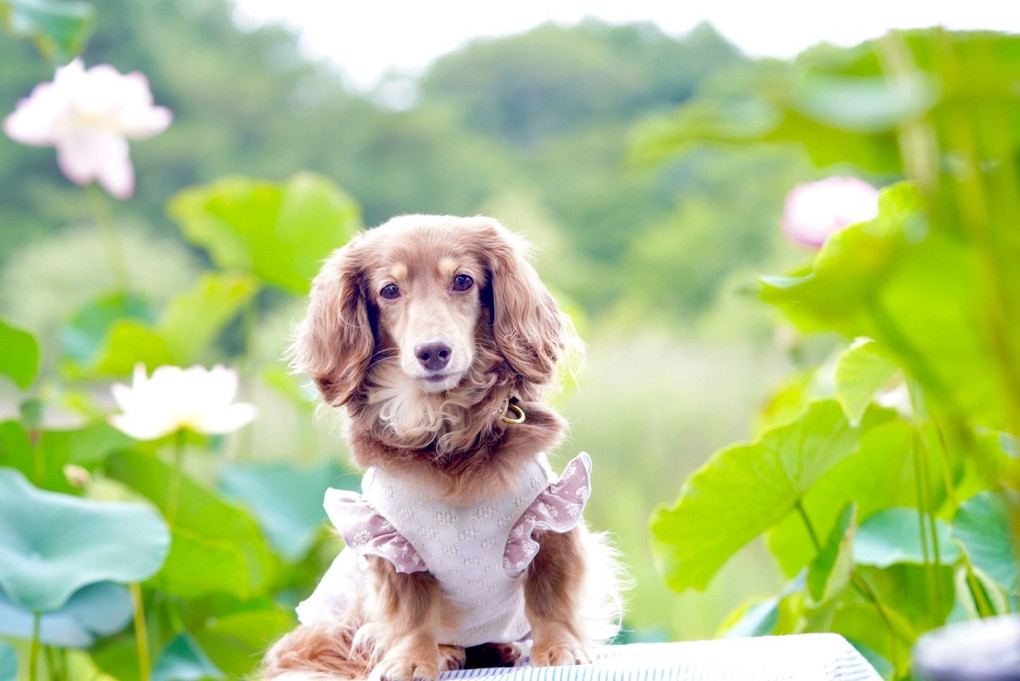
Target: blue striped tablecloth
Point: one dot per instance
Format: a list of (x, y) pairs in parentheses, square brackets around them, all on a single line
[(805, 657)]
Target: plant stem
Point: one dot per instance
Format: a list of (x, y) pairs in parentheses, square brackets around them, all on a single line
[(984, 608), (865, 590), (926, 522), (174, 489), (38, 463), (51, 663), (807, 524), (141, 632), (249, 321), (33, 651), (859, 582), (108, 229)]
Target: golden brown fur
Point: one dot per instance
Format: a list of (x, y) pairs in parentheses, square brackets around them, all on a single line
[(424, 329)]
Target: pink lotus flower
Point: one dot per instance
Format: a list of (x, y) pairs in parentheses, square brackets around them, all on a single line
[(89, 116), (815, 211), (173, 399)]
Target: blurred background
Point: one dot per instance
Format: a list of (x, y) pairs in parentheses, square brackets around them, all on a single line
[(533, 122)]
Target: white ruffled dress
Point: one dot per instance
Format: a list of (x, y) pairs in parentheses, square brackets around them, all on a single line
[(477, 553)]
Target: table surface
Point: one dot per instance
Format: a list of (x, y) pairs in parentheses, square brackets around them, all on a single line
[(803, 657)]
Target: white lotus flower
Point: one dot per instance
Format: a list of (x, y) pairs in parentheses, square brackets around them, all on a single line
[(89, 116), (173, 398), (814, 211)]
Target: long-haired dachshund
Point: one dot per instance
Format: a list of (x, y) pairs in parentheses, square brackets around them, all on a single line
[(440, 340)]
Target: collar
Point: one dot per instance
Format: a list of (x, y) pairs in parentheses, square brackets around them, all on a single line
[(512, 411)]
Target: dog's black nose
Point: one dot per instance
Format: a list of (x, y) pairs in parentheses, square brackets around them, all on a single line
[(433, 355)]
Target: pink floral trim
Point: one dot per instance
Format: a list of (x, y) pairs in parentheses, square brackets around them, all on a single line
[(367, 532), (557, 509)]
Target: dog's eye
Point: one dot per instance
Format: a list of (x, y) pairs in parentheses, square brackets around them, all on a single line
[(390, 292), (462, 282)]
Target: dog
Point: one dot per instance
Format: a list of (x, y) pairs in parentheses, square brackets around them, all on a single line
[(437, 336)]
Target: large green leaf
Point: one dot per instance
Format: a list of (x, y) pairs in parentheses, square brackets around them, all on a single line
[(235, 642), (194, 318), (895, 536), (217, 546), (43, 462), (199, 564), (916, 290), (864, 104), (16, 450), (191, 322), (280, 232), (8, 663), (59, 28), (83, 336), (19, 360), (53, 544), (93, 612), (790, 106), (762, 617), (184, 660), (983, 528), (130, 342), (880, 475), (744, 490), (287, 501), (851, 267), (861, 371)]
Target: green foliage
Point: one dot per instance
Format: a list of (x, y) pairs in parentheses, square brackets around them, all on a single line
[(279, 233), (286, 501), (982, 527), (59, 28), (182, 660), (92, 613), (830, 571), (203, 572), (8, 663), (207, 530), (553, 80), (20, 358), (861, 371), (895, 535), (54, 544), (924, 295), (745, 490)]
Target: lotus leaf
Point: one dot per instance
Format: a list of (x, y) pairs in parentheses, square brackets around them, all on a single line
[(52, 545)]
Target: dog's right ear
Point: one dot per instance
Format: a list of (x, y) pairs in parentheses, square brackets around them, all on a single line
[(335, 342)]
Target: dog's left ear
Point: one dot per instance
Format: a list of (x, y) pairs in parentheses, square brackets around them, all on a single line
[(335, 341), (528, 326)]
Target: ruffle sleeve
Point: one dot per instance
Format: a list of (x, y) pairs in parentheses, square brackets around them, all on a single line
[(558, 509), (368, 532)]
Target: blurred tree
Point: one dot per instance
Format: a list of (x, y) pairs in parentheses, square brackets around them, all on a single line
[(547, 115), (554, 80)]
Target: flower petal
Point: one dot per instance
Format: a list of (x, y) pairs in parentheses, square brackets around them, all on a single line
[(85, 154), (174, 398), (227, 420), (89, 116), (814, 211), (117, 177), (139, 427)]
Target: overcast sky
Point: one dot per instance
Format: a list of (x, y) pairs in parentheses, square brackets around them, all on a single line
[(365, 38)]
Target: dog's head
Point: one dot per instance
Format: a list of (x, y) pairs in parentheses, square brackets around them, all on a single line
[(425, 293)]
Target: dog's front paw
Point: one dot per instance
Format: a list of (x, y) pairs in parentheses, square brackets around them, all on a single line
[(558, 653), (451, 658), (405, 669)]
